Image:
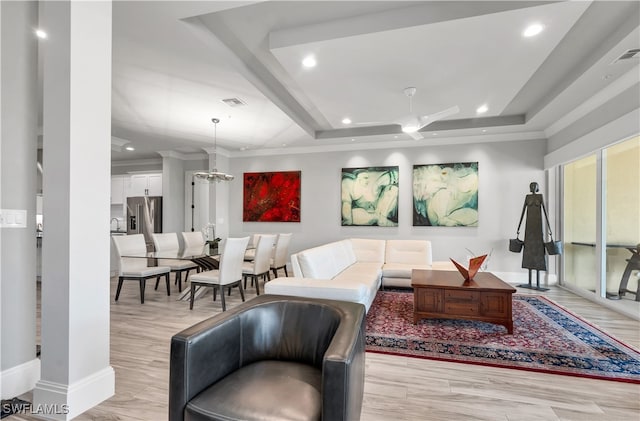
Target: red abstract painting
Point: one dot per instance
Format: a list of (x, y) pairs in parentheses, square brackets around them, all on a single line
[(271, 197)]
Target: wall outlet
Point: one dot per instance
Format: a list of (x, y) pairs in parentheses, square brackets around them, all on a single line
[(13, 218)]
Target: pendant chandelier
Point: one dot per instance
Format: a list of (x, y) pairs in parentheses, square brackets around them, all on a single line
[(209, 176), (214, 174)]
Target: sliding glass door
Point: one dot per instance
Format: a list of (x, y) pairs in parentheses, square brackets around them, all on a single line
[(601, 223), (622, 200), (579, 216)]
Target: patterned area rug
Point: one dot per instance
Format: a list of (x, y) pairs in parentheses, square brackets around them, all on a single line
[(546, 338)]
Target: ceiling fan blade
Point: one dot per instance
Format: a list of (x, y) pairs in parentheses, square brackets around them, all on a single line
[(369, 123), (415, 135), (426, 120)]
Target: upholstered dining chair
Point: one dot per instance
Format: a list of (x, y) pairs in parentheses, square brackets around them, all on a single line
[(193, 240), (228, 275), (281, 254), (168, 242), (135, 268), (259, 267), (250, 254)]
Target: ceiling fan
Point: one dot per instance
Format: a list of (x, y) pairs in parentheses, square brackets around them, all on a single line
[(412, 124)]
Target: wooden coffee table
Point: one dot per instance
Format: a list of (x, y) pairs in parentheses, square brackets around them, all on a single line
[(444, 294)]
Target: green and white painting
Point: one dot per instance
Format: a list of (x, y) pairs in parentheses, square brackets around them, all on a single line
[(370, 196), (445, 195)]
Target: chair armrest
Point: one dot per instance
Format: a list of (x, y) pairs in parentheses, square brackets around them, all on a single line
[(343, 368), (191, 367)]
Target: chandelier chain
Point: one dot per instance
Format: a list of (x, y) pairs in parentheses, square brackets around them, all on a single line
[(215, 143)]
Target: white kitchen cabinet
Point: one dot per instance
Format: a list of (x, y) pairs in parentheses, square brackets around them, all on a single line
[(155, 185), (145, 185), (138, 185), (117, 189)]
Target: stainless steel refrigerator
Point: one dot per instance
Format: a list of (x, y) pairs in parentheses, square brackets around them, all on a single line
[(144, 216)]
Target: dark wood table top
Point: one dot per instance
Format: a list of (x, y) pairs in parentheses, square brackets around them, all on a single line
[(482, 281)]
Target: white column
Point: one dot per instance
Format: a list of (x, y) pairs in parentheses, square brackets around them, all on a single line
[(19, 368), (172, 191), (75, 371)]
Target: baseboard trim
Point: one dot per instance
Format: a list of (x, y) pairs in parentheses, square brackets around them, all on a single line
[(517, 278), (65, 402), (20, 379)]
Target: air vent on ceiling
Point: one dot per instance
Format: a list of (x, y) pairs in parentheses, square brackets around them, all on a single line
[(234, 102), (633, 53)]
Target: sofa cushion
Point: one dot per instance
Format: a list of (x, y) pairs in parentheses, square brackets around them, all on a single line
[(326, 261), (368, 250), (343, 255), (443, 265), (364, 272), (400, 270), (396, 282), (334, 289), (268, 385), (416, 252)]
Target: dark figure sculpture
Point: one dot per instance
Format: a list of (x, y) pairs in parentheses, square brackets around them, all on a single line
[(533, 256)]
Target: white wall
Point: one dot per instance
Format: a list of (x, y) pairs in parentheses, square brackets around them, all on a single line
[(19, 367), (505, 171)]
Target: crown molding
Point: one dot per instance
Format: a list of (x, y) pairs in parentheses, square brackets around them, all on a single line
[(218, 151), (171, 154), (195, 156), (135, 162)]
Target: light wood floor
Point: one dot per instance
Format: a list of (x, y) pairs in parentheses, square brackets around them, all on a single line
[(396, 388)]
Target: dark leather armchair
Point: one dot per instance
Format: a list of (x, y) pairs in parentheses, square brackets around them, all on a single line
[(271, 358)]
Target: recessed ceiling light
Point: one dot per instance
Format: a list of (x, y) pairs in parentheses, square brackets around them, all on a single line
[(130, 148), (346, 120), (532, 30), (243, 148), (284, 144), (484, 130), (482, 109), (309, 61), (353, 140), (434, 134), (41, 34)]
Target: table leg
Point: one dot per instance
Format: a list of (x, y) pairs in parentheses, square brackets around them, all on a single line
[(632, 264), (186, 294), (204, 263)]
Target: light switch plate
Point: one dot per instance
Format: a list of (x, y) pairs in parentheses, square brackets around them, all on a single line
[(13, 218)]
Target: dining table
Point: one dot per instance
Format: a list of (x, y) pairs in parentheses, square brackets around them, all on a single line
[(198, 255), (202, 256)]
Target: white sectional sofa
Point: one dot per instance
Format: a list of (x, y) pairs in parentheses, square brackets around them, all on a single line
[(354, 269)]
